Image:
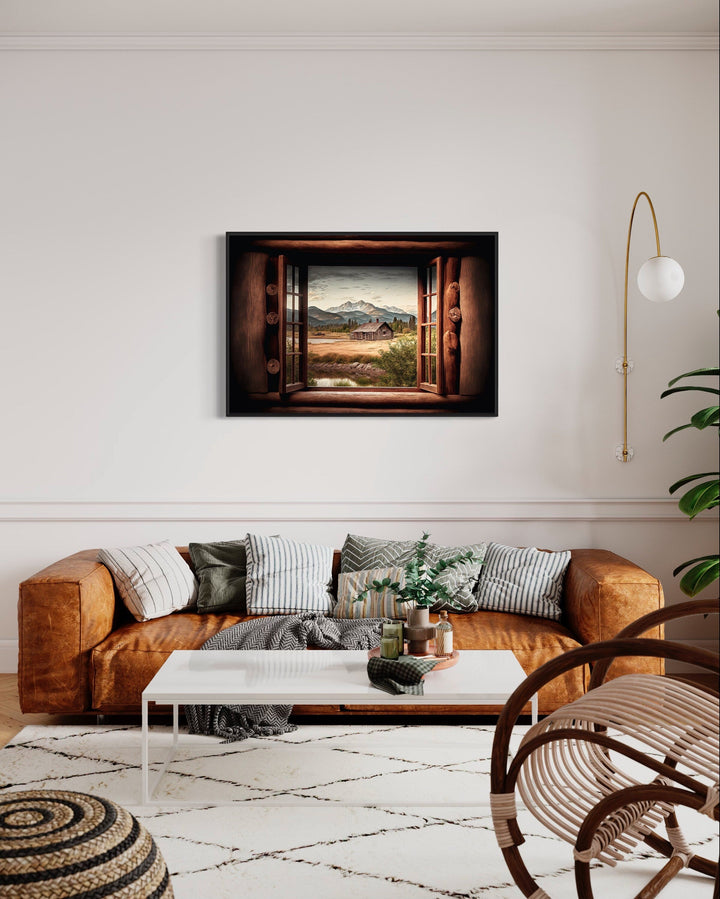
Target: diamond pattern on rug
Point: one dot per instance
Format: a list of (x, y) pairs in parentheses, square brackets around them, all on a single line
[(325, 849)]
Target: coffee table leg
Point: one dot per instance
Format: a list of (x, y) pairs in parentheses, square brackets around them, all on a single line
[(145, 793), (534, 709)]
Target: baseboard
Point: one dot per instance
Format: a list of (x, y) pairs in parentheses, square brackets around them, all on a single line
[(8, 656)]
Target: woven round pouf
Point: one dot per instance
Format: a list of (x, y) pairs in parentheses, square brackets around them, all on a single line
[(55, 843)]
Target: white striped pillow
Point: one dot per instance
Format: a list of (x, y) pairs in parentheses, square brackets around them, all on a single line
[(153, 580), (524, 581), (285, 577), (377, 603)]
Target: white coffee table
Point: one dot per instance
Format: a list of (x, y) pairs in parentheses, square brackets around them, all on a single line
[(322, 677)]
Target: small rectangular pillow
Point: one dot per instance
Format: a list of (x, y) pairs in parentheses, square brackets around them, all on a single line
[(221, 571), (285, 577), (153, 580), (363, 553), (378, 603), (525, 581), (460, 581)]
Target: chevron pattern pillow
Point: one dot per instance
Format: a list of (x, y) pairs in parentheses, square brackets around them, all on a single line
[(363, 553), (524, 581), (377, 603), (285, 577), (460, 581)]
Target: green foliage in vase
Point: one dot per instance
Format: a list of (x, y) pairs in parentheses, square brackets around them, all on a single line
[(704, 494), (421, 580)]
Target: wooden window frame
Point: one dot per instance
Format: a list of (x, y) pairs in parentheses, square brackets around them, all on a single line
[(298, 324), (425, 326)]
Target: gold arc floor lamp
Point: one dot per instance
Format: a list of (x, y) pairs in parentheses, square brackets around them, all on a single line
[(660, 279)]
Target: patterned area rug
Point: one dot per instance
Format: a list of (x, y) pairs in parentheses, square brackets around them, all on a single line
[(225, 850)]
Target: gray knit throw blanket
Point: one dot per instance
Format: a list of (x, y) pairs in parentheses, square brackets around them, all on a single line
[(238, 722)]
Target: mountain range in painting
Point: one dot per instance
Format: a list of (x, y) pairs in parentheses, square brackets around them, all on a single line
[(360, 311)]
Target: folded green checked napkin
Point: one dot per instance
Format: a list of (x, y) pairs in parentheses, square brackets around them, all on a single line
[(403, 675)]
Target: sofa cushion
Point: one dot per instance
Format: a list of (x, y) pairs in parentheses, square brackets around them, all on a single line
[(377, 603), (285, 577), (363, 553), (221, 570), (153, 580), (524, 581), (128, 659), (534, 642), (461, 580)]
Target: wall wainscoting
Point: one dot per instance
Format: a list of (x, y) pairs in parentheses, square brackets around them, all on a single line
[(651, 532), (346, 510), (314, 41)]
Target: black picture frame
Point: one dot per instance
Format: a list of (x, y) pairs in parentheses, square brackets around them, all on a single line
[(272, 355)]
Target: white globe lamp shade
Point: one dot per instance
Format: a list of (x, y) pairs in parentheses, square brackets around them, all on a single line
[(661, 279)]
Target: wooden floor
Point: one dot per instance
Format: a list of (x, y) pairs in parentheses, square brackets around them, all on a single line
[(12, 719)]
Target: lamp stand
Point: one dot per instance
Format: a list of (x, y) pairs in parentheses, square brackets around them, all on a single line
[(624, 453)]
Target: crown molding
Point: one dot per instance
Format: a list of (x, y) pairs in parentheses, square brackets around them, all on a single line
[(359, 41)]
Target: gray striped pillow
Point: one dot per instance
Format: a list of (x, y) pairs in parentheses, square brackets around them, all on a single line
[(153, 580), (524, 581), (285, 577)]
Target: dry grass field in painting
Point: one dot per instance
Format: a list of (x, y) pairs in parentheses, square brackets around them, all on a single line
[(348, 350)]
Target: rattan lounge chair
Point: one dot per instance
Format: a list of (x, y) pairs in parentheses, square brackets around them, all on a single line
[(607, 770)]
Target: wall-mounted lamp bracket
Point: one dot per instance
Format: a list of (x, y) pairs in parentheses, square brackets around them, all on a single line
[(660, 279)]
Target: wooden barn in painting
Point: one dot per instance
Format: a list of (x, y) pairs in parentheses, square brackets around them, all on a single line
[(376, 330)]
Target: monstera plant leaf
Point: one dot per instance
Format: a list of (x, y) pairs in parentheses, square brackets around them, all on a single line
[(705, 571), (705, 418), (700, 497), (704, 494), (692, 374)]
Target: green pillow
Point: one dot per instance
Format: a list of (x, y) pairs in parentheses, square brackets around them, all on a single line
[(221, 572)]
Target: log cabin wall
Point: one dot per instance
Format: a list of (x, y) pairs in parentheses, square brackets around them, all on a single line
[(478, 321), (247, 322), (452, 321)]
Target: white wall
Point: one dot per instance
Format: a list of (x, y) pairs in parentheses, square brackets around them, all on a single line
[(123, 170)]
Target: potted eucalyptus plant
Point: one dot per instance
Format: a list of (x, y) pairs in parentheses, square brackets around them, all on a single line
[(705, 487), (422, 587)]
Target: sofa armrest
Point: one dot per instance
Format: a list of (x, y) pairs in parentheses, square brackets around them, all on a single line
[(63, 612), (603, 594)]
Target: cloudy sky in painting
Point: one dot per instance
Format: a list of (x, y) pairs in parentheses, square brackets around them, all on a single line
[(333, 285)]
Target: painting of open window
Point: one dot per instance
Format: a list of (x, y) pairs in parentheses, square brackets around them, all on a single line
[(361, 324)]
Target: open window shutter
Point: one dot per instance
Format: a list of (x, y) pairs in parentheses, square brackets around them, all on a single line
[(292, 308), (430, 327)]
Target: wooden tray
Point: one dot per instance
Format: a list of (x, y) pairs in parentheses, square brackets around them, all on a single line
[(445, 661)]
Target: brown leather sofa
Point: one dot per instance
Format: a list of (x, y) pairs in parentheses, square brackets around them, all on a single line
[(81, 651)]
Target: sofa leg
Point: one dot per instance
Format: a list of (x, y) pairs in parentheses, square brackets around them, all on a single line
[(100, 719)]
